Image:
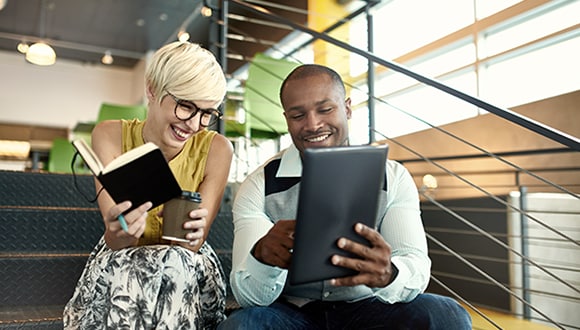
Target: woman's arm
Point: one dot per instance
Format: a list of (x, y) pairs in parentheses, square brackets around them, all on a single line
[(215, 179)]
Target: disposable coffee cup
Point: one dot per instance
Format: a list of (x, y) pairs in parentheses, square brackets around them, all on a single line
[(176, 212)]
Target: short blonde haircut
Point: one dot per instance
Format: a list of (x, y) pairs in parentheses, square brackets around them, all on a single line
[(187, 71)]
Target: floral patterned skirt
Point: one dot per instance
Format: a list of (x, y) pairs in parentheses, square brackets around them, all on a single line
[(148, 287)]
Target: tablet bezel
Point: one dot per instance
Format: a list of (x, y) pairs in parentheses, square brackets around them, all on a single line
[(340, 186)]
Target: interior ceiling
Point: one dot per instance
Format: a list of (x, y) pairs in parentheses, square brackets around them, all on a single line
[(84, 30)]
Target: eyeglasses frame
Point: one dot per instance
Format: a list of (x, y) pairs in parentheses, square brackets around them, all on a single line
[(207, 111)]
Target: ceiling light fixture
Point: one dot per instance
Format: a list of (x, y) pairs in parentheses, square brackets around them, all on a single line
[(183, 36), (107, 59), (206, 11), (41, 53), (3, 4), (22, 47)]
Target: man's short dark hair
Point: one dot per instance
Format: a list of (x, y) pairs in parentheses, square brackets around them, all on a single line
[(308, 70)]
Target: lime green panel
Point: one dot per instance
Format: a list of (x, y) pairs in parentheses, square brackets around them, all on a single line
[(261, 97), (116, 111), (61, 155)]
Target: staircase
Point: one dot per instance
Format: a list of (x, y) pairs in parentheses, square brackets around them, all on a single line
[(48, 231)]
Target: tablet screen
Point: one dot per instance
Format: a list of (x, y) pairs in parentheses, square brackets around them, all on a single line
[(340, 186)]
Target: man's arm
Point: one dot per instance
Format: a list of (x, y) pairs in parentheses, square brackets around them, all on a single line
[(253, 282)]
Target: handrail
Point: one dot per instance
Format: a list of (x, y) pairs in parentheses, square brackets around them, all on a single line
[(537, 127), (498, 154)]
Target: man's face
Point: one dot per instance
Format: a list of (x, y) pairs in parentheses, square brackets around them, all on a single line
[(316, 112)]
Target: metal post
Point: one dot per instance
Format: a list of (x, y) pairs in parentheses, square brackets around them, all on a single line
[(35, 161), (223, 51), (224, 34), (370, 75), (525, 253)]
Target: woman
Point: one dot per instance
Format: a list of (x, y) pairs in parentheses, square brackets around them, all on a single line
[(134, 279)]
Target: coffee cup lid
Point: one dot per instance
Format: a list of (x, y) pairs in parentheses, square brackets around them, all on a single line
[(191, 195)]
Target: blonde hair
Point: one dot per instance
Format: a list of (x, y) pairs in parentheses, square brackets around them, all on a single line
[(187, 71)]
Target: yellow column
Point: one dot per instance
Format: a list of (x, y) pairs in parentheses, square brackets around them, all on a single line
[(321, 15)]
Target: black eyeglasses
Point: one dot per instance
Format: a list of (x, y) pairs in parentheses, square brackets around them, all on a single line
[(185, 110)]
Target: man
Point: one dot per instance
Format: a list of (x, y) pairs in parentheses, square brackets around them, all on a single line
[(388, 290)]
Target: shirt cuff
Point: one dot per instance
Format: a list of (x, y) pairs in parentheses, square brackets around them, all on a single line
[(395, 271), (264, 273), (395, 291)]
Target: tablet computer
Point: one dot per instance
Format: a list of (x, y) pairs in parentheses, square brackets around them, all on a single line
[(339, 187)]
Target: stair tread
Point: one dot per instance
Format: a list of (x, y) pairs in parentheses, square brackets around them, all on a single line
[(28, 314)]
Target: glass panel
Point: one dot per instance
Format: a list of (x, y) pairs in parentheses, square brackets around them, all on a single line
[(540, 26), (404, 25), (447, 62), (429, 104), (396, 118), (358, 39), (485, 8), (537, 75), (392, 81)]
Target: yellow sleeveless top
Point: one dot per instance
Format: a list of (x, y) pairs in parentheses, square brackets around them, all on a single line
[(188, 167)]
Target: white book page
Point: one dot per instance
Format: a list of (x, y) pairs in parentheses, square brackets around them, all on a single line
[(129, 156), (88, 156)]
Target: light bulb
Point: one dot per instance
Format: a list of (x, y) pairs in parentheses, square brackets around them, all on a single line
[(429, 181), (41, 54), (107, 59), (183, 36), (206, 11), (22, 47)]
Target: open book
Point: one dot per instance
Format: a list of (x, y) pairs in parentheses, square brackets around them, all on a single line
[(141, 174)]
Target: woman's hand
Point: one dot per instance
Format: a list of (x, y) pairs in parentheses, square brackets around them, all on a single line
[(115, 237), (196, 226)]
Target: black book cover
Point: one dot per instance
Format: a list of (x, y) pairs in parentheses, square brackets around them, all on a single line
[(141, 174), (147, 178)]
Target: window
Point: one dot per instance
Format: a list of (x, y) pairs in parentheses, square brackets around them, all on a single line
[(515, 56)]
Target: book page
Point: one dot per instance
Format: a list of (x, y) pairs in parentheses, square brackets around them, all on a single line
[(129, 156), (88, 156)]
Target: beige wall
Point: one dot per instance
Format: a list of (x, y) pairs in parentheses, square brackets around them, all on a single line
[(63, 94), (497, 135)]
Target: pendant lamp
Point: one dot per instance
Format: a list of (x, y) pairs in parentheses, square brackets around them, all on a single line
[(41, 53)]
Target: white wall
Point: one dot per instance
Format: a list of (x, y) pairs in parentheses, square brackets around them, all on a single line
[(62, 94), (561, 257)]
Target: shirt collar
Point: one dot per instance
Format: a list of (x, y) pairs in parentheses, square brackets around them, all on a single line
[(291, 163)]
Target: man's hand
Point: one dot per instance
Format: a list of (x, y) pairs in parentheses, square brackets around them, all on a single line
[(274, 248), (374, 266)]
